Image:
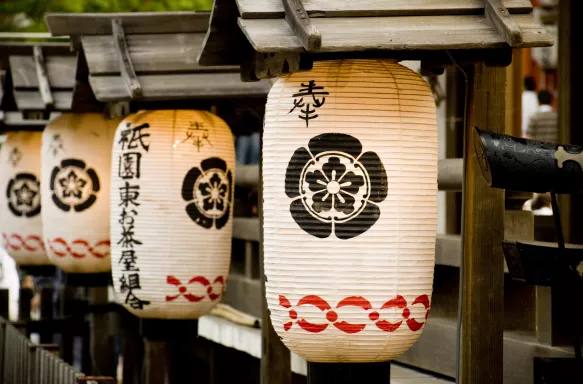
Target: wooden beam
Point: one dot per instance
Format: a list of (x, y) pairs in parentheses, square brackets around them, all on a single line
[(61, 24), (299, 21), (60, 70), (43, 80), (273, 9), (504, 22), (408, 33), (180, 86), (128, 74), (483, 232)]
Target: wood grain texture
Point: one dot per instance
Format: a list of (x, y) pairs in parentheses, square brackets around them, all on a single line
[(435, 352), (299, 21), (33, 100), (179, 86), (44, 86), (126, 68), (504, 22), (61, 24), (60, 71), (392, 33), (483, 281), (254, 9), (173, 52)]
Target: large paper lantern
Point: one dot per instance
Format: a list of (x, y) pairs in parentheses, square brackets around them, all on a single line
[(350, 215), (171, 212), (76, 165), (20, 198)]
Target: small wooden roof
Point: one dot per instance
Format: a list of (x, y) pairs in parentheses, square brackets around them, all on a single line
[(332, 26), (150, 56), (38, 84)]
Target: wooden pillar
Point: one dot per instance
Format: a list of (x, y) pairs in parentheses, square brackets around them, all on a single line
[(46, 312), (483, 232), (275, 357), (102, 343), (514, 95)]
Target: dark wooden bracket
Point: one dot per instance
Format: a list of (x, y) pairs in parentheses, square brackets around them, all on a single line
[(44, 86), (503, 21), (257, 66), (300, 23), (128, 74)]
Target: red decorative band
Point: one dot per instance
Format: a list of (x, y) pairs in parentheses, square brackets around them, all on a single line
[(183, 291), (15, 242), (398, 302), (79, 248)]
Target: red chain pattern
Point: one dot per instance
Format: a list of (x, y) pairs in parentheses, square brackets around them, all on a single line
[(15, 242), (79, 248), (398, 302), (182, 290)]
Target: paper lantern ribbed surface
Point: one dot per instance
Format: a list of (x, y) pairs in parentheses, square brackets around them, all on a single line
[(350, 215), (171, 213), (20, 201), (76, 156)]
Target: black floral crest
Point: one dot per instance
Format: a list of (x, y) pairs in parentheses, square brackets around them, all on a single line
[(335, 187), (23, 195), (208, 191), (74, 185)]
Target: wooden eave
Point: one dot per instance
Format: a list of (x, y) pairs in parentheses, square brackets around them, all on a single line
[(40, 78), (369, 25), (150, 56)]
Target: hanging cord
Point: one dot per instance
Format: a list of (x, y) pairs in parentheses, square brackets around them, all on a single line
[(574, 275), (458, 345)]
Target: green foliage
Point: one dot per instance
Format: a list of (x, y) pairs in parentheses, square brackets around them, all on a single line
[(35, 9)]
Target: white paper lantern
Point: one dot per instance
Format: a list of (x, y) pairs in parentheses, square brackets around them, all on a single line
[(20, 198), (76, 164), (350, 216), (171, 212)]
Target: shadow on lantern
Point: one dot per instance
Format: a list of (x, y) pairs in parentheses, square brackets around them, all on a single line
[(519, 164)]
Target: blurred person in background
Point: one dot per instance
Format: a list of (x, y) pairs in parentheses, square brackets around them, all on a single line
[(543, 124), (529, 102)]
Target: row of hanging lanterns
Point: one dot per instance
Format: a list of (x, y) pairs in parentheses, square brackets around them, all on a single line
[(350, 185)]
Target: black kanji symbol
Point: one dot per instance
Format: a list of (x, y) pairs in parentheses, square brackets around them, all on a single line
[(129, 194), (134, 302), (127, 237), (132, 135), (129, 165), (198, 133), (310, 89), (128, 259)]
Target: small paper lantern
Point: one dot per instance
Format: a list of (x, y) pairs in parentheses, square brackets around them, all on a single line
[(350, 213), (171, 212), (76, 164), (20, 200)]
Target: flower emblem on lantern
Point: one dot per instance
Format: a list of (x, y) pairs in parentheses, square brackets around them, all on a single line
[(207, 189), (74, 185), (335, 186), (23, 193)]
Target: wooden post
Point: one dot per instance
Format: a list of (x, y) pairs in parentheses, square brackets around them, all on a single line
[(349, 373), (132, 348), (102, 345), (46, 312), (483, 232), (24, 303), (5, 303), (67, 309), (275, 357)]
